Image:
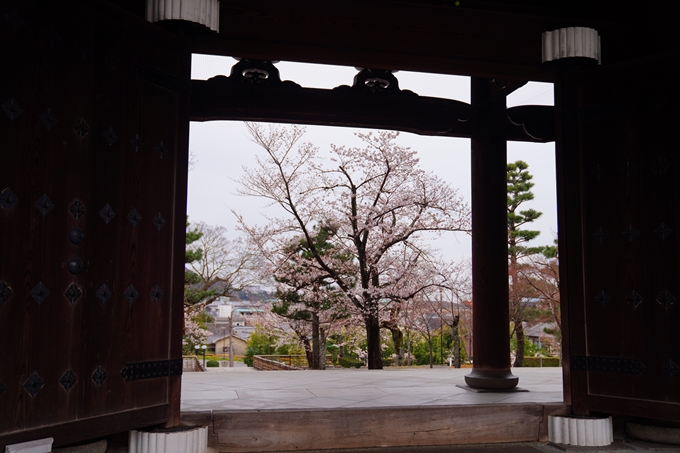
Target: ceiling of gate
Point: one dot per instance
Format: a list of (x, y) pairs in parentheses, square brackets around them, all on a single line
[(467, 37), (474, 38)]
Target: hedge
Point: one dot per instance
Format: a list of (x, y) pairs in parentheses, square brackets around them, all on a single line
[(536, 362), (212, 363), (348, 362)]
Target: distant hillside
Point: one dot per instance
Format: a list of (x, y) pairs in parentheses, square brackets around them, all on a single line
[(253, 293)]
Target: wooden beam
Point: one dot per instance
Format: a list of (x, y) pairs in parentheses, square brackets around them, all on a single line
[(222, 99)]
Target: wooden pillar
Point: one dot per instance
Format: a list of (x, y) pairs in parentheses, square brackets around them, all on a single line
[(490, 315)]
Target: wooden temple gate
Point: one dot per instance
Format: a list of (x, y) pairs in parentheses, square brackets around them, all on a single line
[(94, 133), (96, 104)]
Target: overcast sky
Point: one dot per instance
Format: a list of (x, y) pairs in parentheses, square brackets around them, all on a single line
[(222, 148)]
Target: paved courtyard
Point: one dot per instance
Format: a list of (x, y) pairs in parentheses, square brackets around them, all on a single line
[(242, 388)]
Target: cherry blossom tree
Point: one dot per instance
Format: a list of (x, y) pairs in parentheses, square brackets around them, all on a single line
[(452, 308), (377, 205), (220, 266), (194, 333), (423, 319), (541, 273)]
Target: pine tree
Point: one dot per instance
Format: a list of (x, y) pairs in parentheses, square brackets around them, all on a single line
[(519, 192), (193, 292), (194, 326), (307, 294)]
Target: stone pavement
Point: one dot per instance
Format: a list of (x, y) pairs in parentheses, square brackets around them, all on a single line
[(242, 388)]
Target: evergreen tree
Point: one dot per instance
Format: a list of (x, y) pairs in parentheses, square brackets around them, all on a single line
[(193, 292), (307, 294), (519, 192), (194, 324)]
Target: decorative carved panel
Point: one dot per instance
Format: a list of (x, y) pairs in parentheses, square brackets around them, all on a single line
[(131, 294), (5, 292), (68, 380), (159, 221), (107, 213), (134, 217), (663, 231), (666, 299), (81, 128), (110, 136), (39, 293), (73, 293), (630, 233), (671, 368), (161, 150), (103, 293), (603, 298), (33, 384), (633, 299), (99, 376), (156, 294), (15, 20), (77, 209), (660, 165), (44, 204), (49, 119), (136, 143), (12, 108), (601, 234), (8, 199)]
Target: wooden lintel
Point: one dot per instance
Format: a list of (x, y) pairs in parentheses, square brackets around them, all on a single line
[(222, 99)]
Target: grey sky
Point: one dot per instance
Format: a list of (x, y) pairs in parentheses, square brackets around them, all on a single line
[(222, 148)]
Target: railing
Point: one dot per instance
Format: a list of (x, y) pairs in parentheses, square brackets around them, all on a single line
[(268, 363), (296, 360)]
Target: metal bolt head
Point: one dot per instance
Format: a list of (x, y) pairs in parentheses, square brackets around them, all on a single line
[(75, 266), (76, 236)]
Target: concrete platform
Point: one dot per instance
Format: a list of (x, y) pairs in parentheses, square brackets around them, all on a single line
[(242, 388), (348, 408)]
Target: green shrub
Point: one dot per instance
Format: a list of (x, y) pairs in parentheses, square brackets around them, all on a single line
[(349, 362), (212, 363), (536, 361)]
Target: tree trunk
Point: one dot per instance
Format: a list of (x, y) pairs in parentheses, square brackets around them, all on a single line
[(519, 355), (397, 339), (456, 341), (409, 355), (308, 352), (374, 350), (429, 342), (316, 343), (322, 349)]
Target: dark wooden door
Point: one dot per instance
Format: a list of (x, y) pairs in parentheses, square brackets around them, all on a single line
[(93, 165), (619, 178)]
